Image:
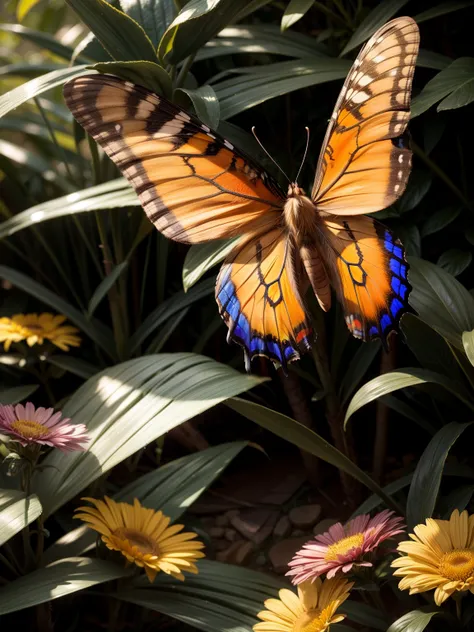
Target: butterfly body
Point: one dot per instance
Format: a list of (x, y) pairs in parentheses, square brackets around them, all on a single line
[(195, 186)]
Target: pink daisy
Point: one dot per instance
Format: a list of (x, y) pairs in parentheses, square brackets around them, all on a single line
[(27, 425), (342, 547)]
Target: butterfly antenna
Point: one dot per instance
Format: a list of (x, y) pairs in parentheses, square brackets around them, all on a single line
[(274, 161), (304, 155)]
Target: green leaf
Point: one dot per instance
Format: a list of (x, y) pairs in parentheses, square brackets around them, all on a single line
[(457, 80), (73, 365), (206, 104), (168, 309), (221, 597), (62, 578), (439, 220), (128, 406), (93, 328), (395, 380), (113, 194), (104, 287), (458, 498), (455, 261), (16, 394), (197, 22), (414, 621), (375, 19), (408, 411), (123, 38), (418, 186), (24, 7), (267, 82), (364, 615), (153, 15), (442, 9), (294, 12), (144, 73), (440, 300), (44, 40), (430, 59), (35, 87), (16, 512), (357, 368), (468, 344), (305, 439), (374, 501), (171, 488), (429, 470), (202, 257)]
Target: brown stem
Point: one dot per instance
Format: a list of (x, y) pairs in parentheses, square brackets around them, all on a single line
[(301, 412)]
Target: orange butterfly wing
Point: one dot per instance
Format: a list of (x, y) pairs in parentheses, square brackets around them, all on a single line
[(259, 299), (194, 185), (365, 161)]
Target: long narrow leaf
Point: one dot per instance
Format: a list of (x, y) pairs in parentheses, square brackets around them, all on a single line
[(16, 512)]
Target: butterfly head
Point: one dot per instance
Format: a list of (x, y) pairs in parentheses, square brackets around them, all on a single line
[(294, 190)]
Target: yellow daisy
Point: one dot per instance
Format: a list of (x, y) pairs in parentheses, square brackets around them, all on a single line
[(36, 328), (313, 609), (143, 536), (440, 556)]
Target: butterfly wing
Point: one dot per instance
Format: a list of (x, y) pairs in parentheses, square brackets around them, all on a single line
[(365, 161), (259, 299), (368, 270), (193, 184)]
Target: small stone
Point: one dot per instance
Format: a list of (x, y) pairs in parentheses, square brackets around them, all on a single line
[(282, 552), (243, 553), (261, 560), (216, 532), (220, 545), (227, 554), (231, 535), (207, 522), (237, 553), (297, 532), (231, 513), (282, 527), (324, 525), (305, 516), (222, 521), (255, 524)]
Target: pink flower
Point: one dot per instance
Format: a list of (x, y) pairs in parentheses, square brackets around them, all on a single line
[(342, 547), (27, 425)]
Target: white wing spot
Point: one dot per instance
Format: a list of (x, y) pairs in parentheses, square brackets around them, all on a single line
[(360, 97), (183, 116), (118, 127), (396, 188), (400, 174), (379, 58), (400, 158), (228, 145), (129, 84), (364, 80), (205, 128), (212, 136)]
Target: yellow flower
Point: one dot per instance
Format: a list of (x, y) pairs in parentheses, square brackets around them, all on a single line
[(312, 610), (36, 328), (441, 556), (143, 536)]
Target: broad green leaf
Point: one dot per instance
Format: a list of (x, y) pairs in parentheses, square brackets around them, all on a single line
[(267, 82), (430, 59), (24, 7), (35, 87), (76, 366), (61, 578), (439, 219), (113, 194), (145, 73), (250, 7), (429, 470), (258, 39), (16, 512), (123, 38), (374, 501), (418, 186), (440, 300), (294, 11), (25, 159), (16, 394), (221, 597), (395, 380), (357, 368), (93, 328), (459, 498), (442, 9), (126, 407), (202, 257), (376, 18), (91, 49), (171, 488), (104, 287), (206, 104), (154, 16), (167, 309), (414, 621), (401, 407), (468, 344), (457, 80), (305, 439), (364, 615), (44, 40), (196, 23), (455, 261)]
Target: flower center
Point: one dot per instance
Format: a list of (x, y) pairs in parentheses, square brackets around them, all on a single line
[(29, 429), (344, 546), (308, 622), (458, 564), (145, 544)]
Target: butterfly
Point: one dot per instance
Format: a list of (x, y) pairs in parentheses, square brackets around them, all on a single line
[(195, 186)]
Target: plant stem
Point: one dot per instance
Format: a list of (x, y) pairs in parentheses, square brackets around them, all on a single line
[(183, 71), (50, 129)]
